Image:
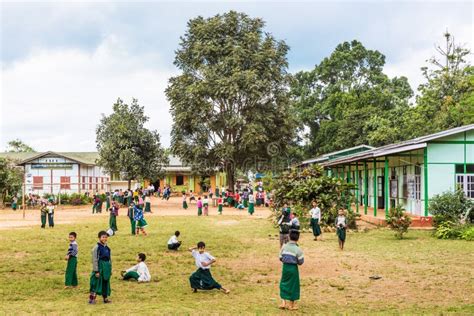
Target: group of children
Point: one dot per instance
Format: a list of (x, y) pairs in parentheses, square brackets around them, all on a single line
[(100, 277), (292, 256)]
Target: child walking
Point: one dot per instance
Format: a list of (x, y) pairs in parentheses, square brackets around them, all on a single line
[(291, 256), (138, 272), (131, 216), (173, 242), (50, 208), (284, 225), (148, 204), (199, 206), (220, 204), (113, 216), (185, 204), (71, 258), (315, 213), (44, 213), (140, 222), (101, 270), (251, 208), (341, 226), (202, 278), (205, 204)]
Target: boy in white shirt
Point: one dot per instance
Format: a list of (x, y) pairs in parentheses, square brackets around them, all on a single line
[(138, 272), (173, 242), (315, 213), (202, 278)]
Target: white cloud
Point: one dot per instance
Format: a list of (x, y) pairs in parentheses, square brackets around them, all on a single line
[(53, 99)]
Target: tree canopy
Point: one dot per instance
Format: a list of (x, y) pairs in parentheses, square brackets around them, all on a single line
[(230, 104), (126, 147), (18, 146), (347, 100), (11, 178)]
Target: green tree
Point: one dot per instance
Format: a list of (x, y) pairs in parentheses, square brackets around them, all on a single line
[(18, 146), (11, 178), (347, 100), (446, 99), (126, 147), (230, 104)]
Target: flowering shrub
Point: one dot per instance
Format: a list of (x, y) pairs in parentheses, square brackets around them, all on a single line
[(398, 221)]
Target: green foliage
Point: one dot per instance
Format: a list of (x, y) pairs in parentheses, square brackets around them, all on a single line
[(348, 100), (448, 230), (126, 147), (468, 233), (450, 206), (230, 104), (398, 221), (18, 146), (299, 188), (11, 178), (70, 199)]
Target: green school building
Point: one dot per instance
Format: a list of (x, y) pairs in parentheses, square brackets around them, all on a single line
[(407, 173)]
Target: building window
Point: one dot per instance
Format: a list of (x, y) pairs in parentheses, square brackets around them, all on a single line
[(65, 183), (90, 183), (83, 182), (179, 180), (37, 183), (102, 185), (469, 168), (97, 183), (466, 183)]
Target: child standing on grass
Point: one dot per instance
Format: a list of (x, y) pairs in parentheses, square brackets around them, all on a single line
[(14, 203), (291, 256), (199, 206), (131, 216), (138, 272), (220, 204), (140, 222), (341, 226), (284, 225), (316, 220), (71, 258), (113, 216), (205, 204), (50, 208), (44, 213), (101, 270), (191, 197), (251, 208), (173, 242), (185, 204), (202, 278), (147, 204)]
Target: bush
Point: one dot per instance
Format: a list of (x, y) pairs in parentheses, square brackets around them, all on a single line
[(398, 221), (468, 233), (299, 188), (448, 230), (451, 207)]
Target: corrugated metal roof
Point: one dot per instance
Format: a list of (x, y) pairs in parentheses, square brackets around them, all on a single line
[(408, 145), (334, 153), (87, 158)]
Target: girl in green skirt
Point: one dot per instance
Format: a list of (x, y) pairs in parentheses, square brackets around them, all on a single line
[(341, 226), (107, 201), (101, 270), (113, 216), (315, 220), (44, 213), (251, 208), (147, 204), (140, 221), (131, 213), (185, 203), (220, 204), (14, 203), (291, 256)]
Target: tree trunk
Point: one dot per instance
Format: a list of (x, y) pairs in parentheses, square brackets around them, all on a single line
[(230, 176), (129, 184)]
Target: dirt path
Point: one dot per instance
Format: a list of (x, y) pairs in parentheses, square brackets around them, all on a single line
[(70, 214)]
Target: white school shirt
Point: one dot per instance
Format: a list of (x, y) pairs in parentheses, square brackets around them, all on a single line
[(316, 213), (341, 220), (143, 272), (202, 257), (173, 240), (147, 199), (205, 201)]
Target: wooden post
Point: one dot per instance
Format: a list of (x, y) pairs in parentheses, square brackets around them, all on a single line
[(357, 186), (24, 192), (366, 188)]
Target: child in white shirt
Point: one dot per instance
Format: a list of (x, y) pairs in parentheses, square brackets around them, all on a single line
[(173, 242), (138, 272)]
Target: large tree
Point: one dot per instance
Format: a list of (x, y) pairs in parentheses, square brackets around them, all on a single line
[(347, 100), (126, 147), (445, 99), (11, 178), (18, 146), (230, 104)]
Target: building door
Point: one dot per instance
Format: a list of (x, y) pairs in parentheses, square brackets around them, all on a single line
[(417, 190), (380, 192)]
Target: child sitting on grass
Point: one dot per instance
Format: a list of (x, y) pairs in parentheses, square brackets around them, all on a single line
[(202, 278), (101, 270), (173, 242), (291, 256), (138, 272), (71, 258)]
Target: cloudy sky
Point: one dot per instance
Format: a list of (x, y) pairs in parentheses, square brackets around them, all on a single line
[(64, 64)]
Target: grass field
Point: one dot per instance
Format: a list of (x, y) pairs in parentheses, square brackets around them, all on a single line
[(419, 274)]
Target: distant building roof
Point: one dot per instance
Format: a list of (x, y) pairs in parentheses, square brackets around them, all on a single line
[(86, 158), (408, 145), (336, 154)]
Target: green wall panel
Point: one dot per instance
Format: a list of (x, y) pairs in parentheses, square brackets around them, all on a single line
[(442, 153), (441, 179)]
